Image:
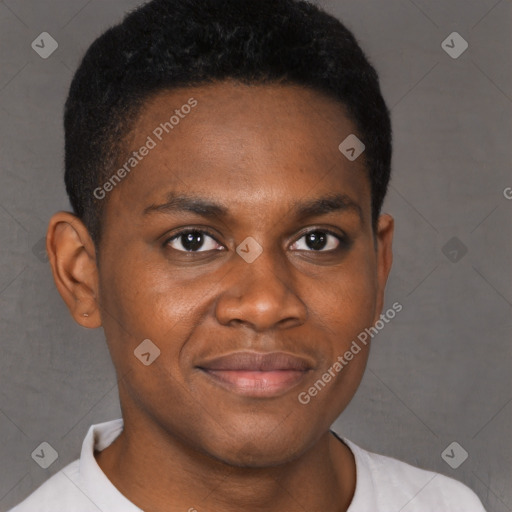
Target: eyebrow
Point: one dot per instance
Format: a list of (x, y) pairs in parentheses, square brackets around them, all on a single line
[(300, 209)]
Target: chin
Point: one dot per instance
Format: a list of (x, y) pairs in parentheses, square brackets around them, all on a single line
[(258, 452)]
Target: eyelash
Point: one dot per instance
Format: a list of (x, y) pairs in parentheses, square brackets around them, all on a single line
[(344, 242), (202, 231)]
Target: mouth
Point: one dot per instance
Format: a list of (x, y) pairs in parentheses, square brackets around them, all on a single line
[(255, 374)]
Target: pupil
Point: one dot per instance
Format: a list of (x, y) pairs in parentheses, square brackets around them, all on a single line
[(315, 240), (192, 241)]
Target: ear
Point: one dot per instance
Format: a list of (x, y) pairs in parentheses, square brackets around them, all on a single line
[(385, 229), (72, 257)]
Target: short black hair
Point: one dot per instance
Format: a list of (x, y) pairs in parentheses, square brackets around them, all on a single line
[(166, 44)]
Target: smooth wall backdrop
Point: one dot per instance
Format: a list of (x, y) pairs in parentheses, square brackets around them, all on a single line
[(439, 372)]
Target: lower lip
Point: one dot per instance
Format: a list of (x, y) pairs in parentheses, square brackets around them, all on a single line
[(257, 383)]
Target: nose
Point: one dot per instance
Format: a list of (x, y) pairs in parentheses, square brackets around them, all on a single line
[(261, 294)]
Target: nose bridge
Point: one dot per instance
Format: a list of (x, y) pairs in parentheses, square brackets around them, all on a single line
[(261, 292), (267, 275), (269, 264)]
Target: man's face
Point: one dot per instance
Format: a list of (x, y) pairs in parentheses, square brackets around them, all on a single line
[(260, 153)]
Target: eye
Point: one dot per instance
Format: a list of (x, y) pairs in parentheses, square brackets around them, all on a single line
[(319, 240), (193, 240)]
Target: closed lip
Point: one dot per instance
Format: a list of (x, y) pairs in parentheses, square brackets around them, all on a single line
[(255, 374), (257, 362)]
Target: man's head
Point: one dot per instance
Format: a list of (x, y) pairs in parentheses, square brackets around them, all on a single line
[(241, 227), (171, 43)]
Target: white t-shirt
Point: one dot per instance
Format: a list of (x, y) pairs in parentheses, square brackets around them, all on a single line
[(383, 484)]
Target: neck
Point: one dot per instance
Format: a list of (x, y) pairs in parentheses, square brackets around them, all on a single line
[(167, 474)]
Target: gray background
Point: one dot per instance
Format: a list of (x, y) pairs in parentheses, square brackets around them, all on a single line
[(439, 372)]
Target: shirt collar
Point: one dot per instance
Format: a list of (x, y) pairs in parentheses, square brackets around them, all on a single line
[(93, 482), (364, 494)]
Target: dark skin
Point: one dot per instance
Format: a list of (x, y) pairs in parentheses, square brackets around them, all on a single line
[(187, 442)]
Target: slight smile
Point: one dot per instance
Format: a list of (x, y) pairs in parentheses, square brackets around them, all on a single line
[(257, 374)]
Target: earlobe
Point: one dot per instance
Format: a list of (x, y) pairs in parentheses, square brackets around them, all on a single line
[(72, 258)]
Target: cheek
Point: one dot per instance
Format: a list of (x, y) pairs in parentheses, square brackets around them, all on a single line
[(343, 313), (344, 302), (142, 303), (142, 294), (341, 322), (136, 305), (149, 301), (350, 312)]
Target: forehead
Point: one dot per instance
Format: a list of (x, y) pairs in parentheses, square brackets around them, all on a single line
[(241, 143)]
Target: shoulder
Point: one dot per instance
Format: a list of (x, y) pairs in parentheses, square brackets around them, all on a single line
[(81, 486), (406, 487), (58, 494)]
